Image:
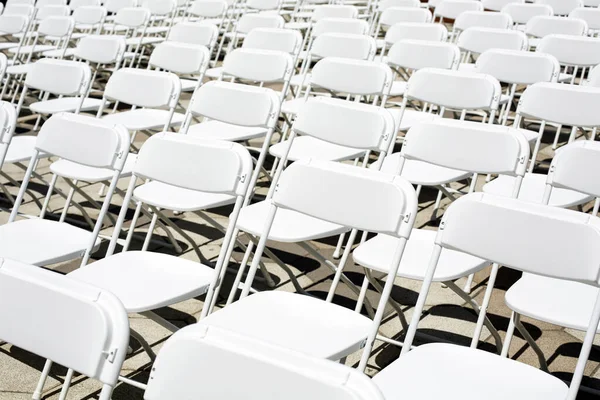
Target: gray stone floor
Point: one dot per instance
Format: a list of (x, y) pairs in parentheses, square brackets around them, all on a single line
[(447, 317)]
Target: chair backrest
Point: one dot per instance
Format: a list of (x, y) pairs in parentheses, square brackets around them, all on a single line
[(52, 11), (594, 77), (59, 27), (194, 33), (20, 2), (562, 104), (59, 77), (574, 168), (580, 51), (543, 26), (478, 40), (234, 103), (518, 67), (258, 65), (340, 25), (482, 19), (355, 77), (385, 4), (394, 15), (143, 88), (263, 5), (25, 9), (43, 3), (210, 358), (451, 9), (334, 11), (468, 146), (101, 49), (12, 24), (416, 31), (590, 15), (160, 7), (208, 8), (75, 4), (85, 328), (113, 6), (417, 54), (346, 123), (276, 39), (454, 89), (163, 158), (8, 122), (591, 3), (132, 17), (562, 7), (180, 58), (247, 22), (345, 45), (521, 13), (498, 5), (89, 15)]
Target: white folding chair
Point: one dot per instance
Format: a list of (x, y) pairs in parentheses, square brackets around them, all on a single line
[(75, 4), (88, 20), (414, 31), (593, 77), (132, 22), (188, 61), (498, 5), (591, 16), (482, 19), (517, 68), (194, 33), (521, 12), (67, 136), (562, 7), (13, 25), (557, 243), (195, 360), (539, 27), (562, 105), (207, 11), (146, 91), (320, 12), (85, 328), (391, 12), (576, 53), (451, 9), (303, 323), (474, 41)]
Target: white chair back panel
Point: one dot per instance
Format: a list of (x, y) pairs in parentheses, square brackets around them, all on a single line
[(522, 13), (594, 77), (351, 196), (275, 39), (417, 54), (113, 6), (416, 31), (25, 10), (200, 360), (454, 89), (358, 47), (468, 146), (196, 164), (208, 8), (43, 3), (340, 25), (194, 33), (159, 7), (387, 4), (59, 77), (361, 126), (591, 3), (56, 26), (8, 120), (144, 88), (520, 67), (84, 139), (483, 19), (590, 15), (102, 49), (334, 11), (573, 164), (81, 324), (562, 104), (251, 21), (524, 236), (75, 4), (180, 58), (562, 7), (544, 26), (478, 40), (258, 65), (498, 5), (352, 76), (52, 11), (12, 24), (572, 50), (395, 15), (132, 17), (453, 8), (91, 15), (235, 103), (263, 5)]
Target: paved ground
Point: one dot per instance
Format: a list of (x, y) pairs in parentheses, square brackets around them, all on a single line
[(447, 316)]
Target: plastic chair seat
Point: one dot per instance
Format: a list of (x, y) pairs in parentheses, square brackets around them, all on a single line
[(157, 29), (377, 253), (145, 40), (59, 53), (43, 242), (467, 67), (380, 43), (224, 131), (171, 197), (398, 88), (531, 136), (565, 303), (289, 226), (64, 104), (297, 25), (143, 118), (532, 190), (563, 77), (19, 69), (305, 147), (294, 321), (422, 173), (213, 73), (20, 149), (32, 49), (145, 280), (73, 170), (293, 106), (296, 80), (410, 118), (188, 85), (6, 46), (443, 371)]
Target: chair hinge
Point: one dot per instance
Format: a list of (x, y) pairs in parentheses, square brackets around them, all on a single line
[(110, 355), (120, 154), (242, 178), (407, 218), (521, 160), (442, 225)]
